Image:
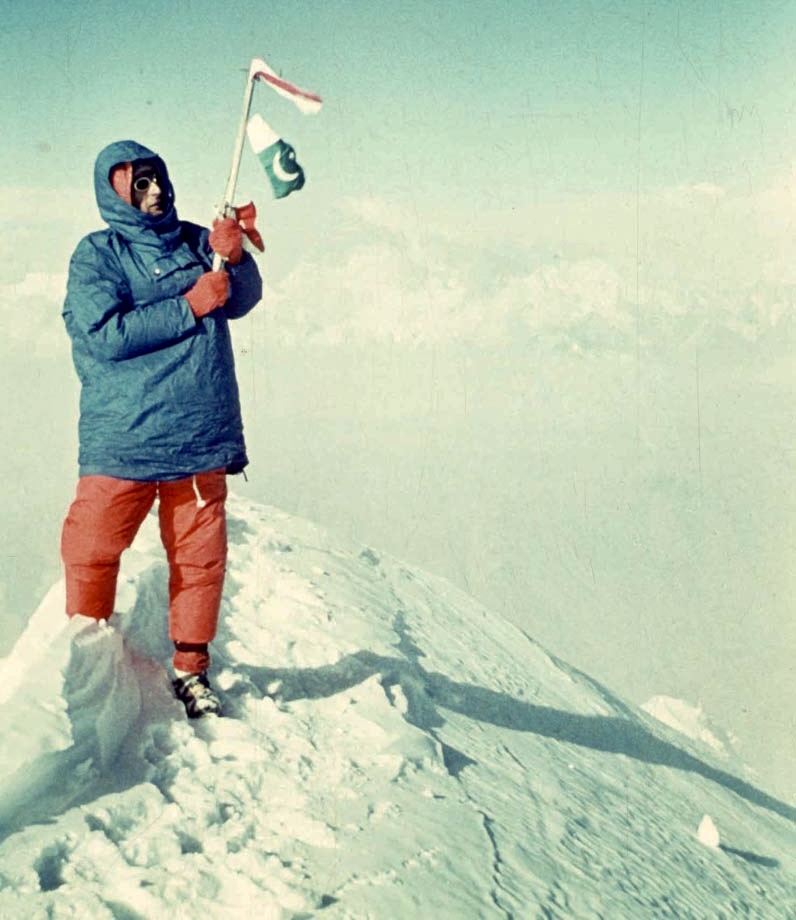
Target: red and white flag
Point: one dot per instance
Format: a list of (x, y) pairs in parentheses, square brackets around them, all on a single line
[(309, 103)]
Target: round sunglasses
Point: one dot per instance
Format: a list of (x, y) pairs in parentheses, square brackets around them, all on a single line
[(142, 183)]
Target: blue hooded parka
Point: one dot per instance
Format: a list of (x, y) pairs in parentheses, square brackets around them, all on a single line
[(159, 399)]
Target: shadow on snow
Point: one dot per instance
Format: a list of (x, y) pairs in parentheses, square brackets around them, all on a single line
[(428, 692)]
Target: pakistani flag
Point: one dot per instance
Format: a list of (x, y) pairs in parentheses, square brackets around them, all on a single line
[(277, 156)]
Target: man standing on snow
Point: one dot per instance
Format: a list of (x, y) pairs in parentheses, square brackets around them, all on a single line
[(159, 408)]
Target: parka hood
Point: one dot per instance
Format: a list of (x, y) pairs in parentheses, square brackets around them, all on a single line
[(124, 218)]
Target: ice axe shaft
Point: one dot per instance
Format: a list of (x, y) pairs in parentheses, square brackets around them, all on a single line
[(226, 207)]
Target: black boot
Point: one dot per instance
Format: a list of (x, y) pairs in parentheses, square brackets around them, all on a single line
[(198, 697)]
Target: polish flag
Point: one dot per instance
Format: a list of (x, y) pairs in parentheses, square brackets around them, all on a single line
[(309, 103)]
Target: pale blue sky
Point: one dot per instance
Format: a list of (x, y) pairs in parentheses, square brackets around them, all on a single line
[(435, 102), (564, 125)]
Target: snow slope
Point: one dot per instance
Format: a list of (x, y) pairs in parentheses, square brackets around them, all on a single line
[(391, 750)]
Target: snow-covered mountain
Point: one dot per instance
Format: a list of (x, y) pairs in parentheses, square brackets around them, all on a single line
[(390, 750)]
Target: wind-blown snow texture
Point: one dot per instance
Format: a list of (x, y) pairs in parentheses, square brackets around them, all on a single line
[(391, 750)]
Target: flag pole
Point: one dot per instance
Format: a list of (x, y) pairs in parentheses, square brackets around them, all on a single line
[(237, 153)]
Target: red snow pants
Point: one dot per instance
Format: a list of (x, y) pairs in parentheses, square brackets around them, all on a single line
[(102, 522)]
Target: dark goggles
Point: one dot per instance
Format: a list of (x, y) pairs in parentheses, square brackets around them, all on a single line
[(142, 183)]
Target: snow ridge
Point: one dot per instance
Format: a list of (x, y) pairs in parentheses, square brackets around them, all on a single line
[(390, 749)]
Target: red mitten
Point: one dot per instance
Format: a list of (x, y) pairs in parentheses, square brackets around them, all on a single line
[(226, 239), (210, 292)]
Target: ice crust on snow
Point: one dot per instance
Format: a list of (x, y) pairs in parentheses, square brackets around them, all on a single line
[(391, 749), (691, 721)]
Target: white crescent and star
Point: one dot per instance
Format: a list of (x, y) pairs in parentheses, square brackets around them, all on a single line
[(279, 170)]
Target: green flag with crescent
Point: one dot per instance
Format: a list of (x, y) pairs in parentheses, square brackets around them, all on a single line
[(276, 155)]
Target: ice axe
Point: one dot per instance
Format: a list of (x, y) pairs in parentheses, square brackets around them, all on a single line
[(247, 213), (307, 102)]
